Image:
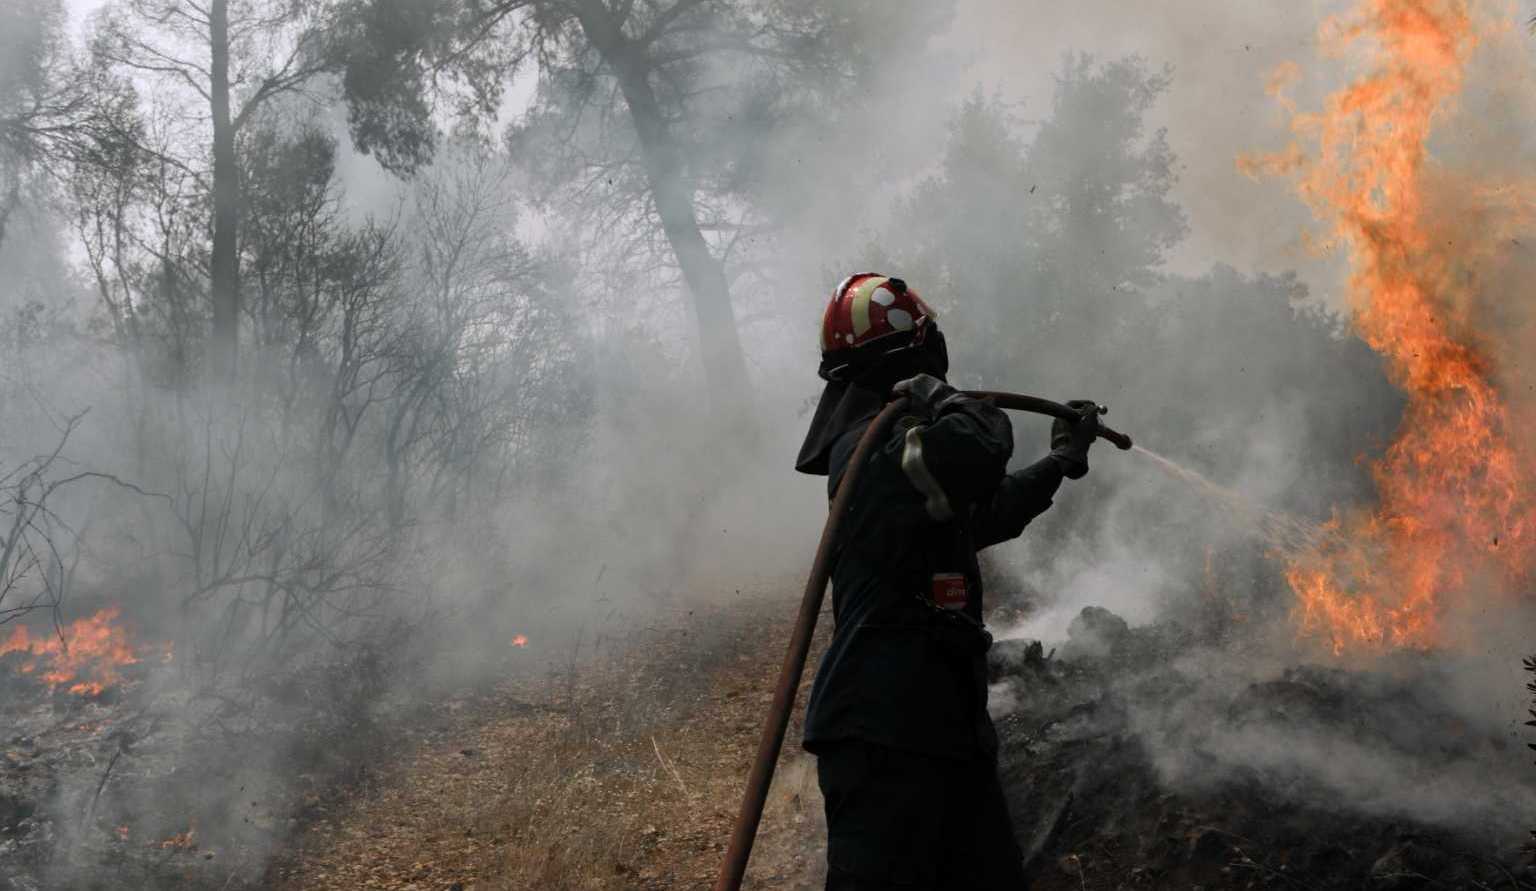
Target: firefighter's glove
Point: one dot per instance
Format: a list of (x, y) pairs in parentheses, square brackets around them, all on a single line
[(1070, 439), (927, 395)]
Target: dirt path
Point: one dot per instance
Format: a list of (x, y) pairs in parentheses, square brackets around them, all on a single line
[(623, 772)]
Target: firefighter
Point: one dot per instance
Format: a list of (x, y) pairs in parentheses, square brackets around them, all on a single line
[(897, 717)]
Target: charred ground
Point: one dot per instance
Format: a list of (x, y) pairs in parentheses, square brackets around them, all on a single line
[(1116, 759), (618, 764)]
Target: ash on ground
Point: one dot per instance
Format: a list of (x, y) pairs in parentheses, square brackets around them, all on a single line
[(1136, 758)]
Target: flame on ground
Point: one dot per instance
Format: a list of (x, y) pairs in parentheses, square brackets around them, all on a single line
[(1454, 511), (87, 661), (180, 841), (519, 640)]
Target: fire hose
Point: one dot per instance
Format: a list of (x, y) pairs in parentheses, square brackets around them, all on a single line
[(772, 740)]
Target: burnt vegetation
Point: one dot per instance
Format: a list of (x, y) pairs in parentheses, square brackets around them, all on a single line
[(1530, 686), (1129, 769)]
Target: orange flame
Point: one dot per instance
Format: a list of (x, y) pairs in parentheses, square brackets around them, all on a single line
[(1453, 508), (519, 640), (88, 659)]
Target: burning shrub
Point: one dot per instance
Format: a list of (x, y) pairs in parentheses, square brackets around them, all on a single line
[(1453, 510), (87, 655)]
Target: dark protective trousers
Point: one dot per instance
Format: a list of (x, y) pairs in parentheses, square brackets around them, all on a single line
[(901, 820)]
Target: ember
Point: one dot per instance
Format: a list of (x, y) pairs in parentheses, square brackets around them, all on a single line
[(1453, 485), (87, 660), (180, 841)]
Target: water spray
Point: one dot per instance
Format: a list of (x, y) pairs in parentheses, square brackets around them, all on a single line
[(772, 740), (1286, 532)]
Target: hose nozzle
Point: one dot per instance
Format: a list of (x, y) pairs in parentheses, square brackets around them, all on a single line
[(1020, 402)]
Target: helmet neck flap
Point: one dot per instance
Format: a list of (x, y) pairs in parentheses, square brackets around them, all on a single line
[(858, 384)]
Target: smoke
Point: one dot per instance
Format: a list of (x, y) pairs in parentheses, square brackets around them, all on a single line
[(1287, 446), (1221, 55), (1059, 179)]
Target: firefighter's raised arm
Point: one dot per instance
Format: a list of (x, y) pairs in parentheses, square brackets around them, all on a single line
[(955, 449), (1025, 494)]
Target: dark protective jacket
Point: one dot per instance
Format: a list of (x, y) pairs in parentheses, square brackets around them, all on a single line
[(901, 671)]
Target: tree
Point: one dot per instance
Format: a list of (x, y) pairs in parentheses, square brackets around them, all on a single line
[(54, 112), (1053, 243), (257, 51), (1052, 239), (488, 373), (1109, 218), (635, 96)]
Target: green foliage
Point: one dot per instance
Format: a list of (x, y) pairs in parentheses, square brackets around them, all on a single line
[(729, 77), (387, 50)]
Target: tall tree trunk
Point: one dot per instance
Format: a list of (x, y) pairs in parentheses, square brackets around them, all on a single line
[(224, 270), (12, 198), (719, 342)]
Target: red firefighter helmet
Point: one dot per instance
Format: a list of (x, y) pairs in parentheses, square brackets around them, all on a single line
[(869, 307)]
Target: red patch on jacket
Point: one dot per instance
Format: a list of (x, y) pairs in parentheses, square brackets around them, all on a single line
[(949, 590)]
